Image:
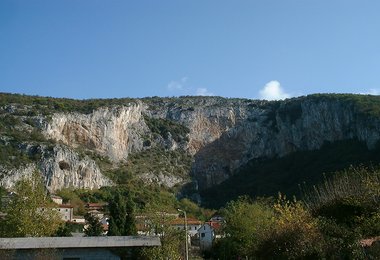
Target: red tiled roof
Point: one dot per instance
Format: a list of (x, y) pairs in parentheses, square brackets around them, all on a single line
[(215, 224), (181, 221)]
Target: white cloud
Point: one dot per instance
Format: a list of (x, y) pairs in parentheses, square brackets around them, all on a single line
[(372, 91), (182, 87), (177, 84), (273, 91), (203, 92)]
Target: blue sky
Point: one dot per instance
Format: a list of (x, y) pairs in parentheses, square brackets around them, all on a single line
[(268, 49)]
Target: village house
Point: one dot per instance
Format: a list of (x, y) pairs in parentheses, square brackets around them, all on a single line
[(210, 231), (206, 236), (65, 211), (192, 225), (96, 213), (144, 223), (78, 219), (96, 206)]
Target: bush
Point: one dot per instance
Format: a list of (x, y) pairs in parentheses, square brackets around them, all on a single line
[(295, 234), (247, 224), (350, 198)]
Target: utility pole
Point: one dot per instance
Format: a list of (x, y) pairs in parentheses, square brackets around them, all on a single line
[(186, 245)]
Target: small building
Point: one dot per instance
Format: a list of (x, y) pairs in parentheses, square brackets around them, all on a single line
[(66, 212), (80, 248), (96, 206), (217, 218), (78, 219), (192, 225), (206, 236), (96, 213)]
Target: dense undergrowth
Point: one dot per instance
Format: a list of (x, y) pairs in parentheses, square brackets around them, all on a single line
[(327, 223), (286, 174)]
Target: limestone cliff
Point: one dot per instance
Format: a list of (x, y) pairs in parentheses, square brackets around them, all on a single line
[(221, 135), (61, 168), (280, 129), (110, 131)]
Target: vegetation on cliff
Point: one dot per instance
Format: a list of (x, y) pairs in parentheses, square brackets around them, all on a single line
[(266, 177)]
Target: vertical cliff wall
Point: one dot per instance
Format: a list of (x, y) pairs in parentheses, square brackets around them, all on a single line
[(111, 131), (280, 128)]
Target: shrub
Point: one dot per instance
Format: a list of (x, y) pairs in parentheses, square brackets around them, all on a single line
[(295, 234), (247, 225), (350, 198)]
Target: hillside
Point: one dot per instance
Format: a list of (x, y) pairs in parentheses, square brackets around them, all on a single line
[(217, 147)]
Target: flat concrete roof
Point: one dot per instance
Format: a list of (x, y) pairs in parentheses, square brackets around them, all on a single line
[(78, 242)]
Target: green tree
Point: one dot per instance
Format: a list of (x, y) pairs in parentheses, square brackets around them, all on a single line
[(158, 223), (118, 214), (122, 218), (29, 212), (122, 221), (246, 225), (130, 222), (94, 227), (64, 230)]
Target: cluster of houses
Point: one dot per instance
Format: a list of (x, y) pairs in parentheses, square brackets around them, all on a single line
[(66, 212), (201, 234)]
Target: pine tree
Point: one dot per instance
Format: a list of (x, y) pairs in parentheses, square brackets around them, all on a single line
[(130, 222), (118, 212), (122, 218)]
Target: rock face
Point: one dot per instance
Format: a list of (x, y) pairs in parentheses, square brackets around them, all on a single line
[(8, 177), (113, 132), (295, 125), (226, 134), (63, 168), (223, 134)]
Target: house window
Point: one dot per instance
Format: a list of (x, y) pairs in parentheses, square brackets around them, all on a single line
[(203, 234), (66, 210)]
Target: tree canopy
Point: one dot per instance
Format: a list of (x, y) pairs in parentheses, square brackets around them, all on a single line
[(29, 212)]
